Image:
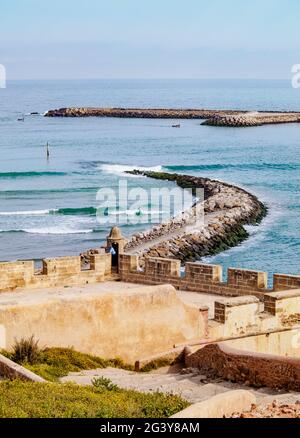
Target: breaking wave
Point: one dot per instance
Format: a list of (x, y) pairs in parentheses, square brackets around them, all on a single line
[(122, 168)]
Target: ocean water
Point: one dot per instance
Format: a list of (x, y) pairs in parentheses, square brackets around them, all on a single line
[(47, 208)]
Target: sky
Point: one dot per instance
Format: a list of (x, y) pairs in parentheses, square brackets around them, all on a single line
[(72, 39)]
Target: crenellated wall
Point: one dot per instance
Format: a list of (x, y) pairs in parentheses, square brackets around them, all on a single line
[(202, 278), (286, 282), (271, 327), (64, 271), (248, 315)]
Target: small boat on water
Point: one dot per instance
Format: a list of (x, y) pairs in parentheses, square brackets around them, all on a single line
[(176, 126), (21, 119)]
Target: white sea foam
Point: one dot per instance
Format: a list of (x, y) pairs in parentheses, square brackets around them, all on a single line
[(27, 213), (135, 212), (56, 230), (120, 169), (257, 233)]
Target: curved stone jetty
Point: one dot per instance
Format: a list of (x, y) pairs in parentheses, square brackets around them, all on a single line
[(230, 118), (227, 209)]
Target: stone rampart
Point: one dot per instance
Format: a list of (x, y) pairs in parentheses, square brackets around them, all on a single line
[(64, 271), (202, 278)]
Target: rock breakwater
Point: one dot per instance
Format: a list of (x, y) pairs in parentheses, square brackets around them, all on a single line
[(138, 113), (251, 119), (230, 118), (227, 209)]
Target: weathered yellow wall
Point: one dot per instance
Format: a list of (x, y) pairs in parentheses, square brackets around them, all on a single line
[(239, 317), (108, 319), (280, 344)]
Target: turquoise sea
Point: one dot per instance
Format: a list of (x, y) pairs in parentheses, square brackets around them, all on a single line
[(47, 208)]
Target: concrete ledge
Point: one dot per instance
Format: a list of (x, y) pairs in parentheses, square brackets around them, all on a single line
[(284, 304), (283, 295), (239, 301), (220, 406), (12, 370)]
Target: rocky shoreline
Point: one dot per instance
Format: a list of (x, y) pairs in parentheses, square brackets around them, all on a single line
[(222, 118), (227, 209)]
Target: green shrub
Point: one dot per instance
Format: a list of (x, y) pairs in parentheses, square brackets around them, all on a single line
[(54, 363), (26, 351), (103, 384), (20, 399)]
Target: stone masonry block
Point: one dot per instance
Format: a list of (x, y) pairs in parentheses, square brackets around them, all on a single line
[(247, 278), (201, 272)]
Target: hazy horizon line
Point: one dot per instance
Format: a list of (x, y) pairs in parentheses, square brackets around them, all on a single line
[(150, 79)]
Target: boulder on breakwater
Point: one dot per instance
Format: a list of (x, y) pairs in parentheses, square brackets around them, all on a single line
[(234, 121)]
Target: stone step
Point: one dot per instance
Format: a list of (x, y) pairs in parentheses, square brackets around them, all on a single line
[(189, 386)]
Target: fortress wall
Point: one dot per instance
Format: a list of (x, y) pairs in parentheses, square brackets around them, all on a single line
[(64, 271), (286, 282), (284, 344), (108, 320), (203, 278), (273, 328), (198, 277), (284, 304), (238, 313), (238, 317), (118, 320), (16, 274)]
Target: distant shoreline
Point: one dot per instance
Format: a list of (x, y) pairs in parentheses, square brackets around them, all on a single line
[(222, 118)]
